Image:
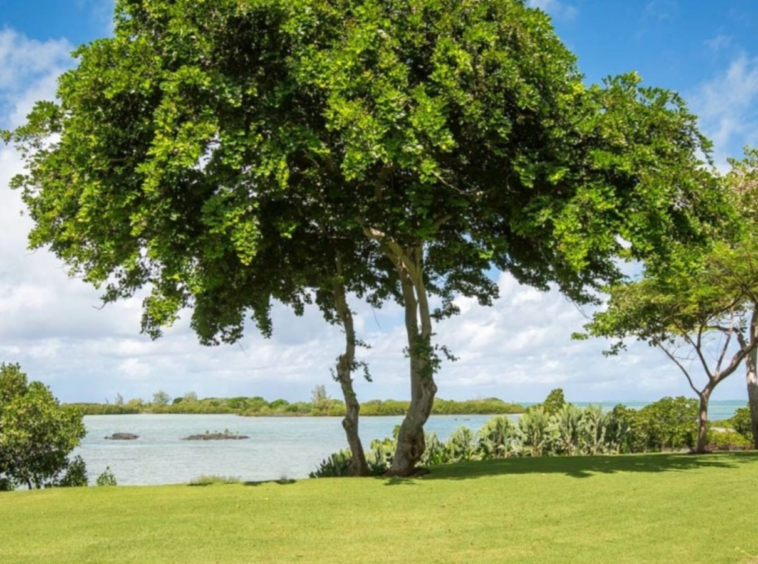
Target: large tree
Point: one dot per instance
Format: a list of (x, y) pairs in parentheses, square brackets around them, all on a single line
[(214, 151)]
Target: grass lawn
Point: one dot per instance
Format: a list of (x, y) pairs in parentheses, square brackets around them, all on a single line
[(645, 508)]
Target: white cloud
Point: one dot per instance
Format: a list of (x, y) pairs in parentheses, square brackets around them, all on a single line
[(718, 42), (726, 106), (556, 8), (28, 70), (661, 10)]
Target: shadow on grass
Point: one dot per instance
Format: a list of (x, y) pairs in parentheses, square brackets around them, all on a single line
[(587, 466), (282, 482)]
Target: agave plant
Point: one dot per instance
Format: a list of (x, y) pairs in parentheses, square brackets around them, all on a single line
[(594, 428), (534, 433), (497, 438), (379, 457), (336, 465), (435, 453), (461, 445), (566, 429)]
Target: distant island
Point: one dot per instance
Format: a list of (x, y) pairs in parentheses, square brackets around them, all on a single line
[(320, 406)]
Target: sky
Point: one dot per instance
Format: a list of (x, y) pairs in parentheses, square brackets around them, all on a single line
[(517, 350)]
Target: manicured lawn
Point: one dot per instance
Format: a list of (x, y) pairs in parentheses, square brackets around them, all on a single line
[(652, 508)]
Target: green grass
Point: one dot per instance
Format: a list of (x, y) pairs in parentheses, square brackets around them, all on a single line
[(647, 508)]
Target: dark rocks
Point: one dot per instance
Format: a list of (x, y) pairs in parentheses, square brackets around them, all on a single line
[(122, 437), (216, 437)]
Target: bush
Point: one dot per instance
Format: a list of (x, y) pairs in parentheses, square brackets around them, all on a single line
[(742, 423), (498, 438), (728, 440), (107, 478), (76, 474), (208, 480), (668, 424), (461, 445), (335, 466), (534, 432), (36, 432)]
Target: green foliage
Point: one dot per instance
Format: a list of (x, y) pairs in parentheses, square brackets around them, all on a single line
[(533, 429), (554, 402), (209, 480), (76, 474), (728, 440), (498, 438), (742, 423), (435, 452), (337, 465), (161, 398), (461, 445), (567, 427), (668, 424), (106, 478), (36, 433)]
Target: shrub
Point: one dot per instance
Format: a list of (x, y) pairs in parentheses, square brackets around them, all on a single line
[(727, 440), (534, 432), (379, 456), (435, 453), (335, 466), (107, 478), (76, 474), (742, 423), (593, 430), (566, 427), (461, 445), (36, 432), (498, 438), (668, 424), (207, 480)]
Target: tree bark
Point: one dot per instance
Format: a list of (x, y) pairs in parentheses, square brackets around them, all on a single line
[(418, 324), (345, 365), (702, 421), (752, 378)]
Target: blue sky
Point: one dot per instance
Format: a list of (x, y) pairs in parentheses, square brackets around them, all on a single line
[(518, 350)]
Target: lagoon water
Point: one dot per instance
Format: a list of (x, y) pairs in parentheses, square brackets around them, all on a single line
[(278, 447)]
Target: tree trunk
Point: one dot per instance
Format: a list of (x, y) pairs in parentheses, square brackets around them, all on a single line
[(345, 365), (410, 442), (752, 378), (702, 421)]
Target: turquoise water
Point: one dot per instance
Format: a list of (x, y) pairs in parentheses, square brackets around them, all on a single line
[(279, 447)]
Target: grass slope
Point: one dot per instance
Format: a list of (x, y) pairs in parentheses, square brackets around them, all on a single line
[(644, 508)]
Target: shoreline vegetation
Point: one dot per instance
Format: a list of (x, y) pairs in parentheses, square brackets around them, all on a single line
[(322, 407)]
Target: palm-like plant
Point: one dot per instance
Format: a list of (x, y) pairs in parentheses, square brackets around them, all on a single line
[(498, 438)]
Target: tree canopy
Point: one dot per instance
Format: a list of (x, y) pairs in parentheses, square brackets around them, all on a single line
[(226, 154)]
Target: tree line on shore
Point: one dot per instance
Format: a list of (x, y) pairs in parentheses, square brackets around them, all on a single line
[(320, 405)]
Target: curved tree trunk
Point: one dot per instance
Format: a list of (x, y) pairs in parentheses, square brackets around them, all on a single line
[(702, 421), (345, 365), (418, 325), (752, 378)]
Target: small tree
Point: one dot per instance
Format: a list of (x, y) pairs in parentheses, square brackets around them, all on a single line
[(554, 402), (161, 398), (36, 433), (695, 312)]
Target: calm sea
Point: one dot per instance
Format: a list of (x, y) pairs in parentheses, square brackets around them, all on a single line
[(278, 447)]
